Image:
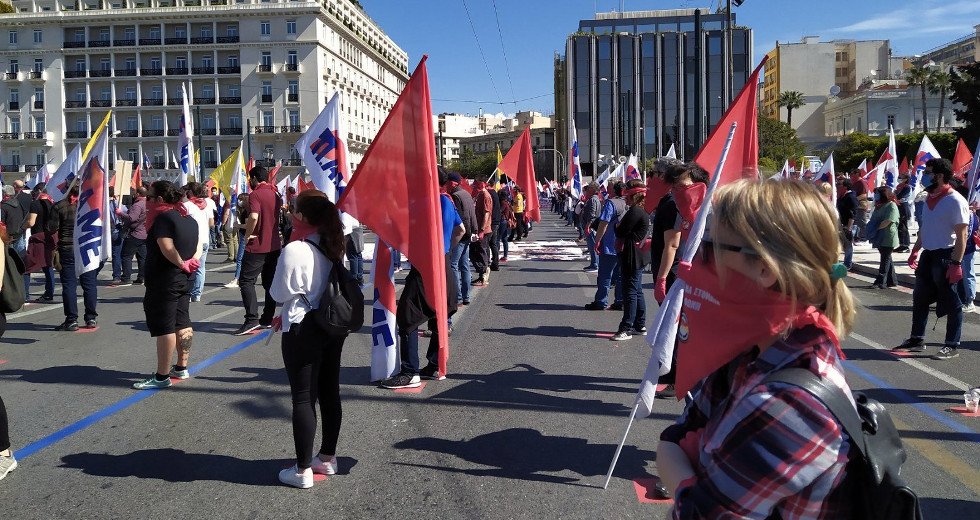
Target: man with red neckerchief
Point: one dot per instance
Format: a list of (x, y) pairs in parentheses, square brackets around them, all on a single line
[(939, 270), (261, 250)]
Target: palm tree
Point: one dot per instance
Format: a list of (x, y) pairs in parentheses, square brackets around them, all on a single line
[(792, 100), (939, 83), (919, 76)]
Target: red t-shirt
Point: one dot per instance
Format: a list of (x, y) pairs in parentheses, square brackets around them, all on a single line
[(266, 202)]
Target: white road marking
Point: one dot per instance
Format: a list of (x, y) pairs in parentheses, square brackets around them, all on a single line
[(915, 364), (221, 314)]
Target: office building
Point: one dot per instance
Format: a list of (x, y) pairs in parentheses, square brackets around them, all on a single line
[(961, 51), (547, 159)]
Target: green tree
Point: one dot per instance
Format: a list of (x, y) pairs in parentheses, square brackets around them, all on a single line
[(470, 164), (965, 85), (856, 147), (939, 83), (6, 8), (792, 100), (778, 140), (768, 167), (919, 76)]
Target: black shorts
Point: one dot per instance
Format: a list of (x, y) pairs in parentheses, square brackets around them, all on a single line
[(167, 308)]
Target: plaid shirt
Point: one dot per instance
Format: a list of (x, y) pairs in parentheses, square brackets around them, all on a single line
[(763, 449)]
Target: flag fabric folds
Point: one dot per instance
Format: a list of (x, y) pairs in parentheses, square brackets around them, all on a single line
[(828, 175), (927, 151), (324, 151), (282, 185), (632, 168), (396, 194), (890, 169), (574, 163), (59, 184), (385, 359), (784, 173), (962, 160), (93, 238), (518, 164), (672, 153), (185, 142)]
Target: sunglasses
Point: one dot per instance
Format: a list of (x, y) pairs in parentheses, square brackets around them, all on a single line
[(707, 249)]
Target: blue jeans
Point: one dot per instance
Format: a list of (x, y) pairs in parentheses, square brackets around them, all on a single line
[(396, 258), (199, 274), (969, 278), (409, 346), (460, 263), (117, 243), (48, 283), (69, 287), (848, 246), (608, 274), (590, 243), (634, 306), (238, 256), (931, 286), (504, 236)]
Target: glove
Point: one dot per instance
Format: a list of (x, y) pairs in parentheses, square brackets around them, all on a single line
[(914, 259), (660, 290), (954, 273), (276, 324), (189, 266)]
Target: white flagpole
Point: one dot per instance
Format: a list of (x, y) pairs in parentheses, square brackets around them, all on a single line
[(707, 201)]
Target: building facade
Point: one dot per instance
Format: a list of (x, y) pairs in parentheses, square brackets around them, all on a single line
[(961, 51), (268, 65), (452, 129), (821, 70), (888, 103), (639, 82), (542, 141)]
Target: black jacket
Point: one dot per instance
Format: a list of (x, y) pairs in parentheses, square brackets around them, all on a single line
[(62, 223), (632, 231), (413, 310)]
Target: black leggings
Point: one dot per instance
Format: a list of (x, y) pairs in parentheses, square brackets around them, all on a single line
[(4, 428), (313, 366)]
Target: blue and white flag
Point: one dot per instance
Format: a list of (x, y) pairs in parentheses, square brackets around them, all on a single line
[(93, 237), (185, 143), (59, 184), (324, 151), (927, 151), (574, 166), (385, 360)]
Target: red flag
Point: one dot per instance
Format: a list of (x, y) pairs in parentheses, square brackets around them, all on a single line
[(250, 164), (302, 186), (904, 168), (962, 160), (399, 196), (743, 157), (518, 164), (137, 181)]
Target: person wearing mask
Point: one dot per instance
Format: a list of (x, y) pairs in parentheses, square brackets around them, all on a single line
[(939, 272), (40, 245), (480, 248), (744, 447), (201, 208), (903, 194), (460, 259), (519, 205), (262, 248), (311, 358), (631, 233), (217, 238), (62, 225), (173, 249), (861, 213), (495, 220), (883, 235), (847, 207), (134, 222), (590, 220), (605, 247)]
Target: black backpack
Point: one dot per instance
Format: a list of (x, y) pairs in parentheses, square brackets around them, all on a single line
[(12, 293), (873, 477), (341, 309)]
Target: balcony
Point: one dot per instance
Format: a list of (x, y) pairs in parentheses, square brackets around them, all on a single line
[(9, 136), (175, 101), (293, 162), (125, 102), (171, 71), (266, 98), (75, 104), (74, 74), (203, 100), (100, 73), (265, 129), (291, 129), (32, 167), (39, 105), (207, 131), (158, 165), (129, 133), (175, 41), (36, 75), (232, 130), (13, 105), (211, 164), (81, 134), (292, 98), (151, 72), (10, 76), (230, 100), (99, 43), (101, 103), (202, 40), (149, 41), (151, 102), (34, 135), (74, 45), (123, 43), (227, 39), (230, 70), (292, 67), (265, 69), (153, 133), (202, 70), (11, 167), (125, 72), (173, 132)]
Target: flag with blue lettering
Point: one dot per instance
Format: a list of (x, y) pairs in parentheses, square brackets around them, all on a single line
[(59, 184), (632, 168), (385, 360), (927, 151), (92, 218), (574, 166), (973, 177), (185, 143), (324, 151)]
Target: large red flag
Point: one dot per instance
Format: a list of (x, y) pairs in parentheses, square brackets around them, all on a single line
[(518, 164), (904, 168), (962, 160), (743, 157), (399, 196), (137, 181)]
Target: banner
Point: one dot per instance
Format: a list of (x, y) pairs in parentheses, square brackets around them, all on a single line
[(385, 359), (324, 151), (59, 184), (185, 142), (93, 237), (574, 164), (123, 178)]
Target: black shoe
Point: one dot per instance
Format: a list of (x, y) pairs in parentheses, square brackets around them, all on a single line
[(402, 381), (669, 392), (247, 328), (91, 324), (876, 286), (946, 352), (892, 285), (68, 325), (595, 306), (640, 331), (616, 306), (139, 281), (45, 299), (464, 302), (431, 372), (911, 345), (902, 249), (262, 326), (494, 268)]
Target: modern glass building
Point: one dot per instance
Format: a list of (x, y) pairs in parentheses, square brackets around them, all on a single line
[(639, 82)]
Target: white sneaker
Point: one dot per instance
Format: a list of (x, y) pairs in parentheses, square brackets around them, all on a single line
[(622, 336), (7, 464), (969, 307), (292, 476), (232, 284), (324, 467)]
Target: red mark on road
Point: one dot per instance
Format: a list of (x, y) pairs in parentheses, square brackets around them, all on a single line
[(316, 476), (963, 411), (2, 361), (84, 330), (646, 491)]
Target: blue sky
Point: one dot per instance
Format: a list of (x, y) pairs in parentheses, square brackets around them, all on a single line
[(532, 30)]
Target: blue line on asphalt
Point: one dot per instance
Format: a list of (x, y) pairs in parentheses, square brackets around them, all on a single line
[(911, 400), (119, 406)]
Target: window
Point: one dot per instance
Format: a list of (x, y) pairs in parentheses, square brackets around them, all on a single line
[(131, 93), (206, 31), (15, 157), (207, 91), (154, 63), (105, 64), (233, 61), (38, 35), (80, 94), (235, 121), (207, 62), (266, 88), (104, 34), (293, 88), (154, 33), (267, 119), (15, 125), (234, 91), (207, 121), (292, 58), (209, 156), (15, 96), (891, 120), (156, 93), (266, 59), (290, 26), (294, 117), (13, 37), (40, 159), (14, 67), (156, 123), (106, 94), (181, 62), (232, 30), (133, 156), (132, 123), (265, 28), (180, 32), (130, 63), (39, 94), (129, 33), (38, 65), (80, 35)]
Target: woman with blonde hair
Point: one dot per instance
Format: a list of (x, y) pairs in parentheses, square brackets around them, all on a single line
[(763, 294)]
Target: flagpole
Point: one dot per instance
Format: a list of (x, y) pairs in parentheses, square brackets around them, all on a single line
[(713, 183)]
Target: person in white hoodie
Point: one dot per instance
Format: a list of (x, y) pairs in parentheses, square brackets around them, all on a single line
[(201, 207), (312, 357)]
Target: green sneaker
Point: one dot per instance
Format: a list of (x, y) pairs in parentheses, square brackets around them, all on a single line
[(152, 383), (179, 374)]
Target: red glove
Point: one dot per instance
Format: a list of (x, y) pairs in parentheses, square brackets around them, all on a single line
[(914, 259), (660, 290), (119, 211), (189, 266), (276, 324), (954, 273)]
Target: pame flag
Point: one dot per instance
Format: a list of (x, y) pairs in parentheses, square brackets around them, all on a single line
[(632, 168), (927, 152), (59, 184), (92, 217), (385, 360), (185, 142), (574, 166), (324, 151)]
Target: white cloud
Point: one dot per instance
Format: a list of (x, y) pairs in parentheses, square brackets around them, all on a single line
[(908, 21)]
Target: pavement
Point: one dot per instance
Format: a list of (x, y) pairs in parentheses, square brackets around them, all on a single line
[(524, 426)]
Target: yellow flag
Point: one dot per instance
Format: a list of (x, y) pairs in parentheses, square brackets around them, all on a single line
[(95, 136), (222, 175), (496, 174)]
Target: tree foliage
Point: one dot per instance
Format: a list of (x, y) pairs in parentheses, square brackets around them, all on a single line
[(6, 8), (778, 141), (791, 99), (471, 164), (965, 86), (856, 147)]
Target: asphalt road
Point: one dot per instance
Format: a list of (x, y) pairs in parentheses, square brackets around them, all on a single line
[(524, 427)]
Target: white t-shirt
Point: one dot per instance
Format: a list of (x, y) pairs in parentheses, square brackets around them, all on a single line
[(302, 270), (936, 231), (202, 216)]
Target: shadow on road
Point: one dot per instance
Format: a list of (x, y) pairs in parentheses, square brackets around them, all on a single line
[(548, 285), (74, 375), (556, 331), (540, 307)]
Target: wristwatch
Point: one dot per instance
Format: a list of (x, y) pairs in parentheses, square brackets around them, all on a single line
[(956, 262)]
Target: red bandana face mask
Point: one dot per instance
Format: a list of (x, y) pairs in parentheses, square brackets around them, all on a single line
[(689, 198), (301, 229), (656, 189), (199, 202)]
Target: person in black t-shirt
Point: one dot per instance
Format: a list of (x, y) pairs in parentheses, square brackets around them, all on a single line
[(171, 260), (40, 246), (847, 208)]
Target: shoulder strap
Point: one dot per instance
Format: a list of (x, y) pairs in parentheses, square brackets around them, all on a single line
[(832, 397)]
